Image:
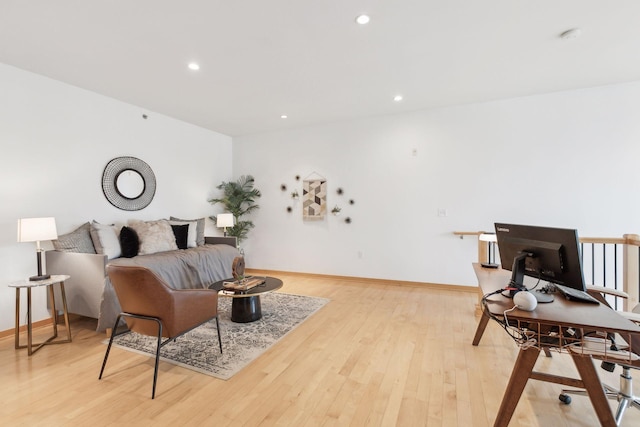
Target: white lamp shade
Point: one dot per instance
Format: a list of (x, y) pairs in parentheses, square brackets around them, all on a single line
[(37, 229), (224, 220), (488, 237)]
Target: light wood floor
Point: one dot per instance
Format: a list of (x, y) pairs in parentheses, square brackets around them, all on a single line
[(376, 355)]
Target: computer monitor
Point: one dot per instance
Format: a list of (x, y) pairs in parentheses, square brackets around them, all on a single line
[(545, 253)]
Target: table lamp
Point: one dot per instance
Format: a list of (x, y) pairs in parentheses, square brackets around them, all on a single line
[(491, 240), (224, 220), (36, 230)]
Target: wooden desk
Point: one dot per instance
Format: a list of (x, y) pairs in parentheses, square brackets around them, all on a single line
[(564, 314)]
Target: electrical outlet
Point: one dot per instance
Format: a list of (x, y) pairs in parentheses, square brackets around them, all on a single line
[(442, 212)]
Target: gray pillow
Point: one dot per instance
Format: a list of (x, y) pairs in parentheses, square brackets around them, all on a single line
[(199, 228), (79, 240)]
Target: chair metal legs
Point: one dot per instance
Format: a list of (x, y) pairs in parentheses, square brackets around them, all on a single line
[(159, 345), (624, 395), (219, 336), (155, 370)]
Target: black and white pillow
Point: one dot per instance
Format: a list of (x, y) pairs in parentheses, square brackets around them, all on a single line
[(181, 232), (192, 234), (199, 228)]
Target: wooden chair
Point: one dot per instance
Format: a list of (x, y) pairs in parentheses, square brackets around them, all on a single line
[(151, 307)]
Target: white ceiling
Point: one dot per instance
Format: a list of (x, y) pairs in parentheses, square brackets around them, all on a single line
[(308, 58)]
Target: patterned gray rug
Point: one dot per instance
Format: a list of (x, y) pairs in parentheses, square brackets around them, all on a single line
[(241, 342)]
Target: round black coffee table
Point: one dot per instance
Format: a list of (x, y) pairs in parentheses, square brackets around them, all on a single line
[(245, 306)]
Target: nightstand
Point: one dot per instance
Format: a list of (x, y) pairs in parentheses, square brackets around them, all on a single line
[(28, 285)]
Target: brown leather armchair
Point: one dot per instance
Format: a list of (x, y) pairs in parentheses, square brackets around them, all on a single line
[(151, 307)]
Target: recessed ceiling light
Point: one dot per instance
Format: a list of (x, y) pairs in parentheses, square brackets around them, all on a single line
[(363, 19), (573, 33), (193, 66), (397, 98), (284, 116)]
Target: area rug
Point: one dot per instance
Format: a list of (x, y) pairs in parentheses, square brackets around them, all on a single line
[(241, 342)]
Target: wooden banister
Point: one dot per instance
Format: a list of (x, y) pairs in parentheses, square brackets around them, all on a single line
[(604, 240), (631, 271)]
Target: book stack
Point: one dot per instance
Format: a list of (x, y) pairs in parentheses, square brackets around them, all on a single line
[(244, 284)]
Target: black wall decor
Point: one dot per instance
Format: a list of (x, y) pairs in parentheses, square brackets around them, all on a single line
[(128, 183)]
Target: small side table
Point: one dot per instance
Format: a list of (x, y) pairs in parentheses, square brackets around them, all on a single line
[(246, 306), (54, 317)]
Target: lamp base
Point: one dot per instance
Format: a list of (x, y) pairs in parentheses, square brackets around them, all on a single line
[(36, 278), (489, 265)]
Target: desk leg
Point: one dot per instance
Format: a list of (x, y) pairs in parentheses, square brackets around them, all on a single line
[(519, 377), (484, 320), (594, 389)]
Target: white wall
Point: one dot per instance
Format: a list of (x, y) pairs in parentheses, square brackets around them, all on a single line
[(565, 159), (56, 140)]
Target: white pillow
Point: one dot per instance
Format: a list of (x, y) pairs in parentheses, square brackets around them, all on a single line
[(105, 240), (192, 234), (155, 236)]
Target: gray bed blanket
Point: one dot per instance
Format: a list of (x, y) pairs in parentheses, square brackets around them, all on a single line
[(194, 268)]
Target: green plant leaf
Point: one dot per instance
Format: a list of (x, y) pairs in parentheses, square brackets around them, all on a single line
[(238, 198)]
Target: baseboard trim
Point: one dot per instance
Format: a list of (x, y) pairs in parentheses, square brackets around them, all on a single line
[(437, 286), (23, 328), (40, 324)]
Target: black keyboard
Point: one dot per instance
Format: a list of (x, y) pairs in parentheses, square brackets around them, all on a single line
[(575, 295)]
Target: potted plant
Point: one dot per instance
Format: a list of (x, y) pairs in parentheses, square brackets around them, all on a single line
[(239, 198)]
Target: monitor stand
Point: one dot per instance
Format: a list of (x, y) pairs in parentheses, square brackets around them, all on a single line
[(542, 297), (517, 279)]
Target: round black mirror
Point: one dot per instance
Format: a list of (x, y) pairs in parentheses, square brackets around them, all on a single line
[(128, 183)]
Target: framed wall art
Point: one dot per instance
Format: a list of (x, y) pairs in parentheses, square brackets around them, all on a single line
[(314, 199)]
